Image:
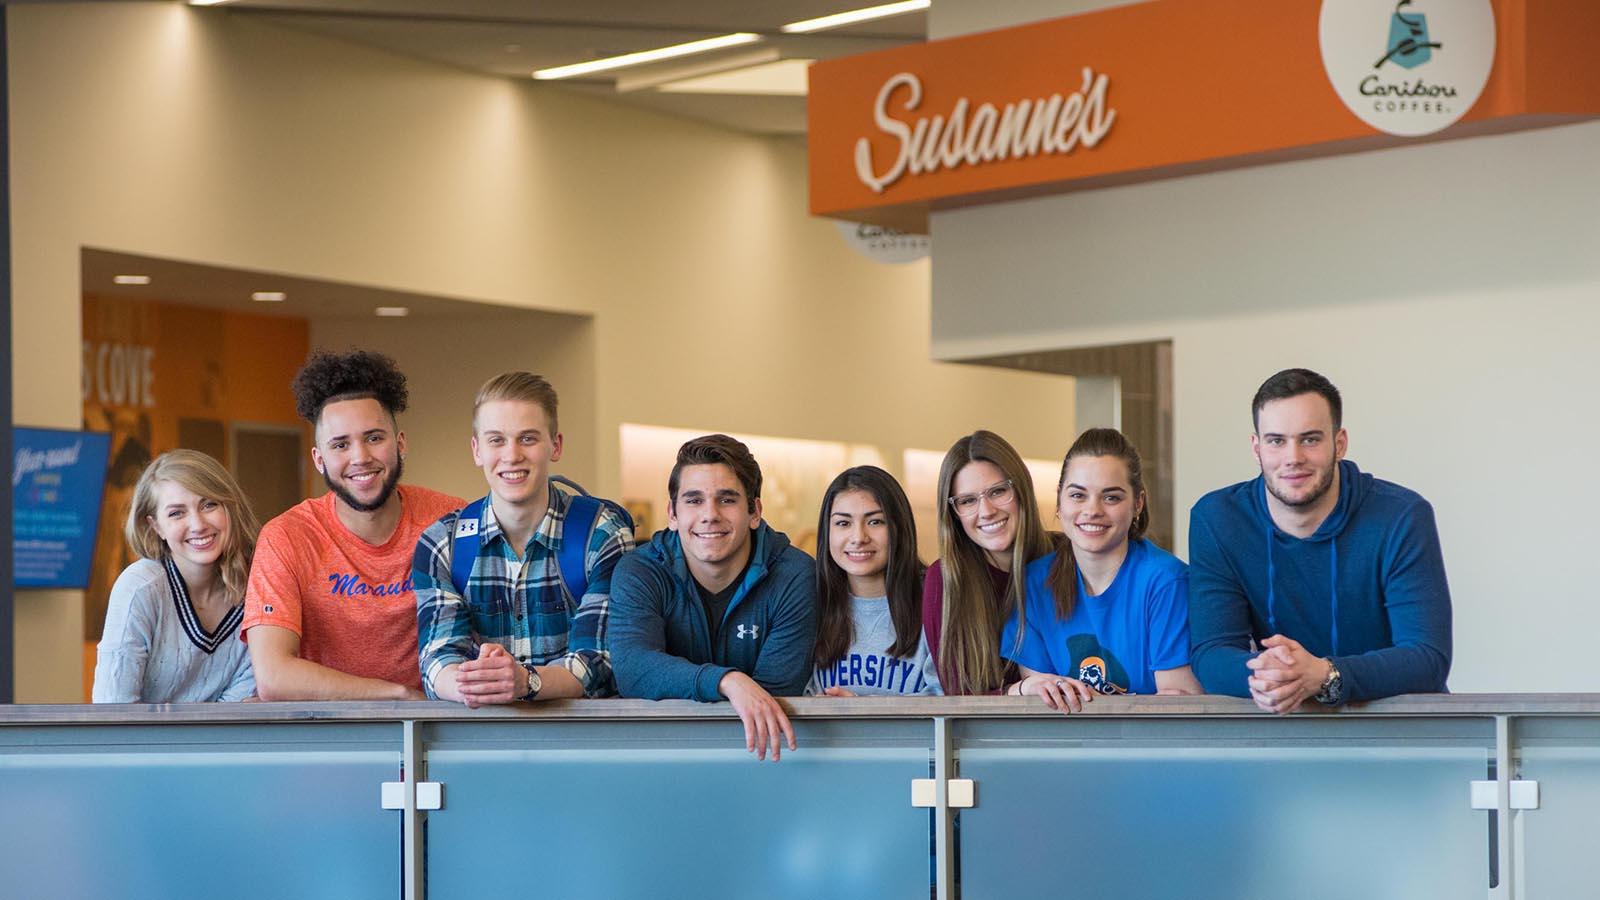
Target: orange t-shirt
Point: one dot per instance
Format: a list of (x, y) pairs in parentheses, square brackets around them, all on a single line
[(350, 602)]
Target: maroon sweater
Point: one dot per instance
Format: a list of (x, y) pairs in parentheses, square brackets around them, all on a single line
[(933, 618)]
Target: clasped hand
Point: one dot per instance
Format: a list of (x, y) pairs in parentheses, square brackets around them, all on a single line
[(1284, 675), (494, 677)]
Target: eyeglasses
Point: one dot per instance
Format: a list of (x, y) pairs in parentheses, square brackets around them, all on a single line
[(1001, 494)]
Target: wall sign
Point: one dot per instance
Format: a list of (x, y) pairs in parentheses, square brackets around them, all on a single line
[(1163, 88), (56, 478), (1022, 129), (1408, 67)]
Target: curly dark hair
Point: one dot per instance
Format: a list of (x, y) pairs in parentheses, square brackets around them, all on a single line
[(360, 374)]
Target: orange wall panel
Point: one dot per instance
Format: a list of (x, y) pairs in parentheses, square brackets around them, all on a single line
[(150, 365)]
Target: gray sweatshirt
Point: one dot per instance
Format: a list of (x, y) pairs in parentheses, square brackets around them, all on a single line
[(867, 669)]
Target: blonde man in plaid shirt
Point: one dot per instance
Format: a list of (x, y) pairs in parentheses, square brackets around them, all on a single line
[(515, 632)]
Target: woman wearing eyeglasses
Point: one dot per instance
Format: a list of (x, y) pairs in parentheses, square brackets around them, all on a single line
[(989, 530), (1107, 613)]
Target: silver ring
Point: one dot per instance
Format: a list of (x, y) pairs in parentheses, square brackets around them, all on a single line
[(1061, 685)]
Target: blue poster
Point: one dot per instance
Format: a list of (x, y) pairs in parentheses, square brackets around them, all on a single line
[(57, 478)]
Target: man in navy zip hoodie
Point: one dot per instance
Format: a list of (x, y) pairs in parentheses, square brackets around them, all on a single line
[(1336, 576), (718, 605)]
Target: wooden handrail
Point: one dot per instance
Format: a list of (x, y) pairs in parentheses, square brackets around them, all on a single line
[(1412, 706)]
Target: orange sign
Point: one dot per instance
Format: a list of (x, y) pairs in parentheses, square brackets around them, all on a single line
[(1174, 87), (162, 375)]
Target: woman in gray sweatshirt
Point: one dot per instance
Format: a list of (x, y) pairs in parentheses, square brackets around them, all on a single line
[(869, 592)]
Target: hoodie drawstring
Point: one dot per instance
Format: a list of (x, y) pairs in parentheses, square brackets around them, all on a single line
[(1333, 555), (1272, 594), (1272, 580)]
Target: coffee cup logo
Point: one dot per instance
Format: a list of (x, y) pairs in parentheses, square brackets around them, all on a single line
[(1408, 39), (1432, 59)]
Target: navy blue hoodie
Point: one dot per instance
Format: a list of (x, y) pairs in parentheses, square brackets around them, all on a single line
[(660, 640), (1366, 590)]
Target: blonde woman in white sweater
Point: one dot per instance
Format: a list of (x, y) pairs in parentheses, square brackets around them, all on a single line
[(172, 624)]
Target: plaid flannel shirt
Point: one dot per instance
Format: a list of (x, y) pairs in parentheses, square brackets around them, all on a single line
[(521, 605)]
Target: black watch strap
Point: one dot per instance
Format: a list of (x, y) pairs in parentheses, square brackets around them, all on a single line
[(534, 683)]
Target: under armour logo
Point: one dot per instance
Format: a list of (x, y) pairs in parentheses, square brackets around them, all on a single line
[(466, 527), (746, 631)]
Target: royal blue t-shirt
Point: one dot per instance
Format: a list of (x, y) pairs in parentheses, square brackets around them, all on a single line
[(1115, 642)]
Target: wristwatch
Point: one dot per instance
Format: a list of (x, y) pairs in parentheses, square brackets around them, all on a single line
[(1332, 691), (534, 684)]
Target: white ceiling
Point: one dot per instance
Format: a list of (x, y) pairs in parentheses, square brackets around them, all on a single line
[(512, 38)]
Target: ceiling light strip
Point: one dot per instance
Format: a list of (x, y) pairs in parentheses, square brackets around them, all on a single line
[(660, 75), (646, 56), (853, 16)]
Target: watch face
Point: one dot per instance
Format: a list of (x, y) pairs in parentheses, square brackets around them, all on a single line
[(1332, 689)]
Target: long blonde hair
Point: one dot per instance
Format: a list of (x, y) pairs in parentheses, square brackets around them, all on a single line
[(197, 472), (973, 616)]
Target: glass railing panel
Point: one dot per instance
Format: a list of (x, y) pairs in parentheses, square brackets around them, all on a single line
[(1557, 843), (1224, 809), (175, 812), (679, 809)]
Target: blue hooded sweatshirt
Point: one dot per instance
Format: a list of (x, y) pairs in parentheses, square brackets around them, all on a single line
[(660, 641), (1366, 590)]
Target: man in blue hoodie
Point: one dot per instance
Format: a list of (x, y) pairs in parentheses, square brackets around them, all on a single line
[(718, 605), (1334, 576)]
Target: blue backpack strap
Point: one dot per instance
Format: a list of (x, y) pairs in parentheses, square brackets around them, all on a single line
[(582, 511), (464, 548)]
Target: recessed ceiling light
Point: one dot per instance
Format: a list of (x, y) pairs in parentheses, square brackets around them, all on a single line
[(130, 279), (269, 296), (393, 311), (646, 56), (853, 16), (208, 2)]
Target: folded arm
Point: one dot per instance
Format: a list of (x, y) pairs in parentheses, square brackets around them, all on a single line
[(640, 661), (1219, 615), (282, 675)]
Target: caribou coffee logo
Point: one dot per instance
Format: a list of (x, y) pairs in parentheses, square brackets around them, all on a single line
[(1432, 59), (1409, 46), (885, 245)]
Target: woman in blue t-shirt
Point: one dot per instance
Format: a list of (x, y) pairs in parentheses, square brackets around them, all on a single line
[(1108, 612)]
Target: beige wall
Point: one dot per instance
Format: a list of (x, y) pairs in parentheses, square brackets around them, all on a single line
[(195, 134), (446, 360)]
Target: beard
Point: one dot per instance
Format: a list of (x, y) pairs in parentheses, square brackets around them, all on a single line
[(1316, 492), (384, 493)]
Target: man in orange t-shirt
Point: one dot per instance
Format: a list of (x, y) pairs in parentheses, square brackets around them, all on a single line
[(329, 610)]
